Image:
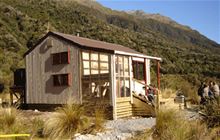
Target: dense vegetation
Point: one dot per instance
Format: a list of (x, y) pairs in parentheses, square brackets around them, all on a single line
[(22, 23)]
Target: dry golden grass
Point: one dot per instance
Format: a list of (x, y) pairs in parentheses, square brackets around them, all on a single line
[(167, 93), (11, 122), (169, 125), (99, 118), (146, 135), (212, 112), (37, 126), (66, 121)]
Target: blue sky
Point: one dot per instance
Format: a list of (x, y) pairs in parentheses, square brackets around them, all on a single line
[(201, 15)]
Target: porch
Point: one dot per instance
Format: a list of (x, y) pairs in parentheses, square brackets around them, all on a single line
[(116, 80)]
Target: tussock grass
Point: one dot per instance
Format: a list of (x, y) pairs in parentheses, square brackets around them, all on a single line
[(212, 113), (171, 126), (146, 135), (8, 116), (37, 126), (66, 121), (177, 82), (167, 93), (11, 122), (63, 123), (99, 118)]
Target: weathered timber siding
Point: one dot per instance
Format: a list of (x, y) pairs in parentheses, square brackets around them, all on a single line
[(39, 70)]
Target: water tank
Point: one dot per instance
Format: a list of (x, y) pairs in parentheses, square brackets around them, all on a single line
[(19, 77)]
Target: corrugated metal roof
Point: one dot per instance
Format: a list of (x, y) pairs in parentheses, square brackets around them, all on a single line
[(96, 44), (87, 43)]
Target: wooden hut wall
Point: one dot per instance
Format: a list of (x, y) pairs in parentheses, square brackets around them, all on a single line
[(40, 70)]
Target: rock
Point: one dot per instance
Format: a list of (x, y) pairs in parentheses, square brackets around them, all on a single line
[(120, 129), (77, 134)]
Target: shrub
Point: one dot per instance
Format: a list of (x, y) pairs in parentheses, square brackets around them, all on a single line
[(66, 121)]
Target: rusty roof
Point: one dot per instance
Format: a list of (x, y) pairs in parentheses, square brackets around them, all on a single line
[(86, 42), (91, 44)]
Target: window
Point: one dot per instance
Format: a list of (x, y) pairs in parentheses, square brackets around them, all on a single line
[(95, 76), (138, 70), (95, 63), (61, 80), (61, 58)]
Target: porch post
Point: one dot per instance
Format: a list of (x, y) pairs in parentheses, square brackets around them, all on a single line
[(145, 74), (80, 75), (158, 74), (113, 86), (130, 78)]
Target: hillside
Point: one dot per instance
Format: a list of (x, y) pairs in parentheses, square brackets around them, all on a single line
[(183, 50)]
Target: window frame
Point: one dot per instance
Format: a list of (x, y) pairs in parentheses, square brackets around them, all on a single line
[(61, 57), (121, 77), (138, 70), (62, 78), (98, 61)]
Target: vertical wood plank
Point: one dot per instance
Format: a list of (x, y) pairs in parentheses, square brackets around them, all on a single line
[(39, 70), (111, 90), (80, 74)]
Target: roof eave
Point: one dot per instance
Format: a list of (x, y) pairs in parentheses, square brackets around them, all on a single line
[(66, 39), (138, 55)]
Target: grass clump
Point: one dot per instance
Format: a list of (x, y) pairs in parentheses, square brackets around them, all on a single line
[(37, 126), (11, 122), (167, 93), (171, 126), (99, 118), (211, 112), (146, 135), (66, 121), (178, 82)]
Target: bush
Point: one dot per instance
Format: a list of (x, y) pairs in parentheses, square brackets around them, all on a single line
[(66, 121)]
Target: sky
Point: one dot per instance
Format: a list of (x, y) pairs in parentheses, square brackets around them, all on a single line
[(201, 15)]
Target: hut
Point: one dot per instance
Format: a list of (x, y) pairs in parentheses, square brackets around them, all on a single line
[(62, 66)]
